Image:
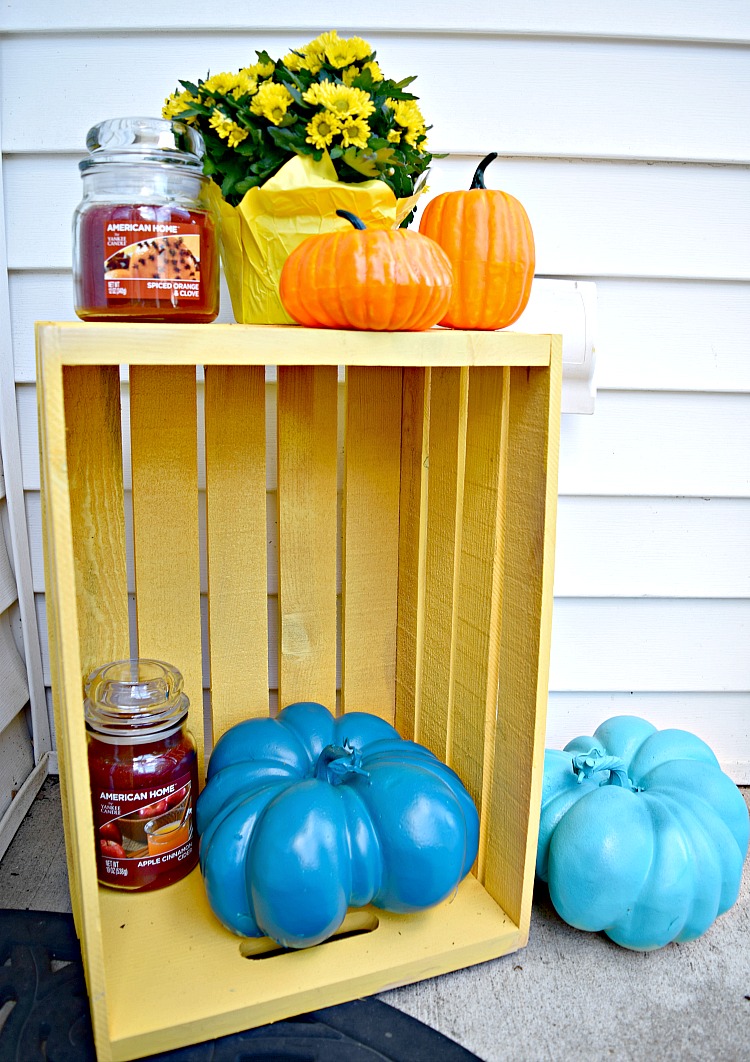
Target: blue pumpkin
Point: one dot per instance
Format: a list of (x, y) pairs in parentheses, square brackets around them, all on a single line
[(305, 815), (641, 834)]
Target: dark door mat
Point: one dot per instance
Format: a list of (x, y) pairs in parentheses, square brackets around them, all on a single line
[(43, 1001)]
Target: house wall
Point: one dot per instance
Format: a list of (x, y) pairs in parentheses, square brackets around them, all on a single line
[(623, 130)]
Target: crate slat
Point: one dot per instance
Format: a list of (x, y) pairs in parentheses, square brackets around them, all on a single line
[(307, 507), (415, 427), (94, 449), (445, 493), (479, 593), (164, 454), (372, 475), (531, 498), (235, 423)]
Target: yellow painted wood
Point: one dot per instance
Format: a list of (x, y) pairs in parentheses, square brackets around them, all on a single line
[(95, 482), (164, 456), (307, 512), (447, 454), (161, 971), (533, 442), (67, 680), (412, 542), (479, 591), (193, 983), (372, 472), (235, 423), (112, 344), (69, 825)]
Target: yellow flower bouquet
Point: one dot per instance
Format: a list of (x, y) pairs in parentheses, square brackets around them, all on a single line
[(288, 142)]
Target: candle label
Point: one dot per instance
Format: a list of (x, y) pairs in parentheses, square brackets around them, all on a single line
[(152, 260), (143, 832)]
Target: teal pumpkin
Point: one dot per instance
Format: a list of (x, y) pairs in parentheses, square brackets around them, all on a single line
[(641, 834), (306, 815)]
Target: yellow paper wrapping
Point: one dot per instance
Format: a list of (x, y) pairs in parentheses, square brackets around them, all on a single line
[(300, 200)]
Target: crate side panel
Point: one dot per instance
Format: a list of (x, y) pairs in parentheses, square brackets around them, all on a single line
[(235, 428), (531, 499), (412, 531), (46, 457), (308, 517), (370, 536), (475, 673), (69, 447), (446, 459), (164, 454)]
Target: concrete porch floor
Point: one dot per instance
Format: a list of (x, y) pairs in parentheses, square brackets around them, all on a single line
[(567, 997)]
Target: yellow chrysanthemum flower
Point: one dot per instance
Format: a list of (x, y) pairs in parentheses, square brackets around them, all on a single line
[(406, 112), (412, 135), (175, 104), (261, 69), (348, 75), (340, 53), (221, 83), (360, 47), (312, 95), (355, 132), (315, 51), (271, 101), (408, 115), (394, 135), (246, 84), (374, 67), (322, 129), (294, 62), (226, 128), (344, 101)]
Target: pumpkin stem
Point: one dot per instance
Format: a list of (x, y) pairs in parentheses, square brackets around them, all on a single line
[(358, 223), (594, 766), (478, 181), (337, 763)]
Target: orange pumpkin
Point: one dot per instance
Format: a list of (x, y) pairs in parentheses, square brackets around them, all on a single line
[(488, 239), (380, 280)]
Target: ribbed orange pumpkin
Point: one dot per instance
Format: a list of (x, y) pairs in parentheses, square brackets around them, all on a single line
[(379, 280), (487, 236)]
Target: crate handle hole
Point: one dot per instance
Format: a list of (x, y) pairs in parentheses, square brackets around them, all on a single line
[(354, 925)]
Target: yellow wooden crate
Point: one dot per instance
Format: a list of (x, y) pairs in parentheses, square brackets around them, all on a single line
[(447, 544)]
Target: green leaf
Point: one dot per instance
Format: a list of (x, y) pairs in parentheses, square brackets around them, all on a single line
[(285, 138), (191, 88)]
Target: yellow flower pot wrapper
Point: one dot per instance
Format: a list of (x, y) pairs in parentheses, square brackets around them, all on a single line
[(289, 141), (299, 201)]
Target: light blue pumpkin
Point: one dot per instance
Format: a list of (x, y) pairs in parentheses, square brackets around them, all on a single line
[(306, 815), (641, 834)]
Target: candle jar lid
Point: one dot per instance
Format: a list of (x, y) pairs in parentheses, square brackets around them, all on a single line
[(138, 696), (149, 140)]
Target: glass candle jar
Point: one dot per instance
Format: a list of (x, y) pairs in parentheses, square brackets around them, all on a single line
[(144, 236), (144, 774)]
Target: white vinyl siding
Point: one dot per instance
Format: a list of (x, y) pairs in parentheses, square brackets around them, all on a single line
[(623, 130)]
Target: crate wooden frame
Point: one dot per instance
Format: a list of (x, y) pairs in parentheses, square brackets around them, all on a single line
[(450, 492)]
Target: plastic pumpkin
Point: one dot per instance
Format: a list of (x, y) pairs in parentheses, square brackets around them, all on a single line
[(382, 280), (488, 239), (641, 835), (305, 815)]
